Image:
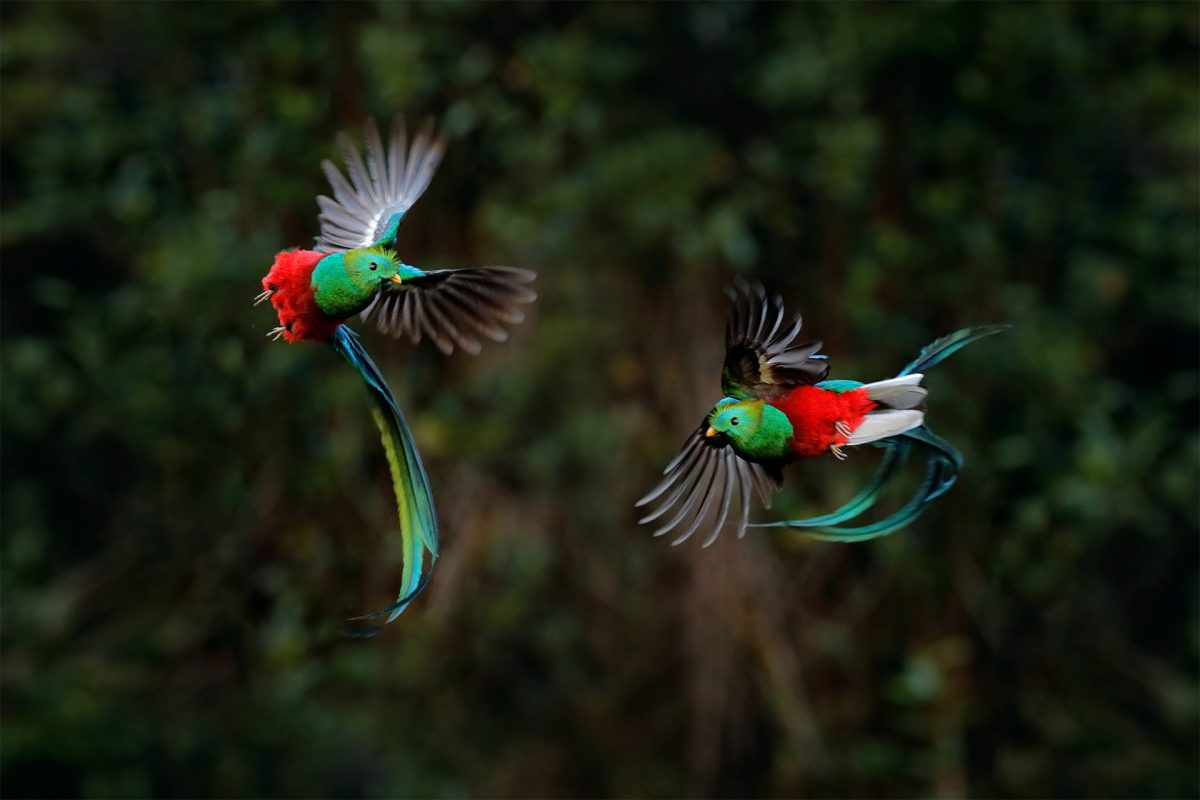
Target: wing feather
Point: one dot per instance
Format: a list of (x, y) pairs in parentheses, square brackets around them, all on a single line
[(701, 474), (371, 193), (761, 357), (376, 159), (728, 463), (716, 475), (705, 477), (452, 306), (356, 171)]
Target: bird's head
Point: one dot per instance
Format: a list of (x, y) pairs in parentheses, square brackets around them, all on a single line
[(736, 421), (755, 429), (346, 283), (370, 267)]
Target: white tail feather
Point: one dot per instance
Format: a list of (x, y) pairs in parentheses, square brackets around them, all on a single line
[(882, 424), (903, 392)]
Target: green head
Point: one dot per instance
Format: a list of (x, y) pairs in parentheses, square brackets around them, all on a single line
[(345, 283), (756, 430)]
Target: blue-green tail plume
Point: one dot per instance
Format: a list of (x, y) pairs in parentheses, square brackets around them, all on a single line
[(894, 456), (414, 501), (943, 462), (937, 352)]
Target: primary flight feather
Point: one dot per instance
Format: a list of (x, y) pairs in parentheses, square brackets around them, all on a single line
[(355, 269)]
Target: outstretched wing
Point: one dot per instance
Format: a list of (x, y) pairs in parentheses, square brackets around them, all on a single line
[(761, 356), (414, 500), (454, 307), (366, 206), (699, 488)]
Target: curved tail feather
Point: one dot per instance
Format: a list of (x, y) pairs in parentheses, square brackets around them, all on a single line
[(943, 451), (938, 351), (904, 515), (943, 462), (414, 500), (895, 455)]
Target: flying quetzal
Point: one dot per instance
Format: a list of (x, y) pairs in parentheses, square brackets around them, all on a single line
[(778, 409), (354, 269)]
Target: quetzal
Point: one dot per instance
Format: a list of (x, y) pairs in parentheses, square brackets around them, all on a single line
[(778, 409), (354, 269)]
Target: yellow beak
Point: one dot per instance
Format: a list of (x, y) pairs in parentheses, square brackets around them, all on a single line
[(711, 432), (396, 279)]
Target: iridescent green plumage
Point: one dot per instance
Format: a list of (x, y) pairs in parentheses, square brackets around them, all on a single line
[(414, 500), (758, 430), (345, 283)]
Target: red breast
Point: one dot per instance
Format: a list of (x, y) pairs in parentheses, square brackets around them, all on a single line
[(290, 281), (814, 412)]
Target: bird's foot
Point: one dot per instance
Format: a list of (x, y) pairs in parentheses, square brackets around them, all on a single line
[(838, 452), (265, 295), (842, 429), (275, 333)]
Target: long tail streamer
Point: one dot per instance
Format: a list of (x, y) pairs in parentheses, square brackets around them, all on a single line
[(938, 351), (414, 500), (943, 462)]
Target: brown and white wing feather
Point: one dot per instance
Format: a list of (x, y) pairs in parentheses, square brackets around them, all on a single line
[(456, 308), (701, 486), (762, 358), (371, 193)]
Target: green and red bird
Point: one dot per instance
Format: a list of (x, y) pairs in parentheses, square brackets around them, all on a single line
[(778, 409), (355, 269)]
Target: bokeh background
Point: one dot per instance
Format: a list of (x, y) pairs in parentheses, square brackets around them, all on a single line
[(190, 511)]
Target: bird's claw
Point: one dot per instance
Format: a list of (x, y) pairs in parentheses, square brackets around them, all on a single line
[(842, 430), (263, 296), (275, 333)]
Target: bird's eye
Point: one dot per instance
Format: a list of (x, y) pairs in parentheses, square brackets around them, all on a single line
[(733, 421), (374, 266)]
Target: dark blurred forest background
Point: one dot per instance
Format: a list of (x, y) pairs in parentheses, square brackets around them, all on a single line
[(191, 511)]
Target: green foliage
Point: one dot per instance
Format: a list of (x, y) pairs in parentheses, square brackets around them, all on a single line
[(184, 525)]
